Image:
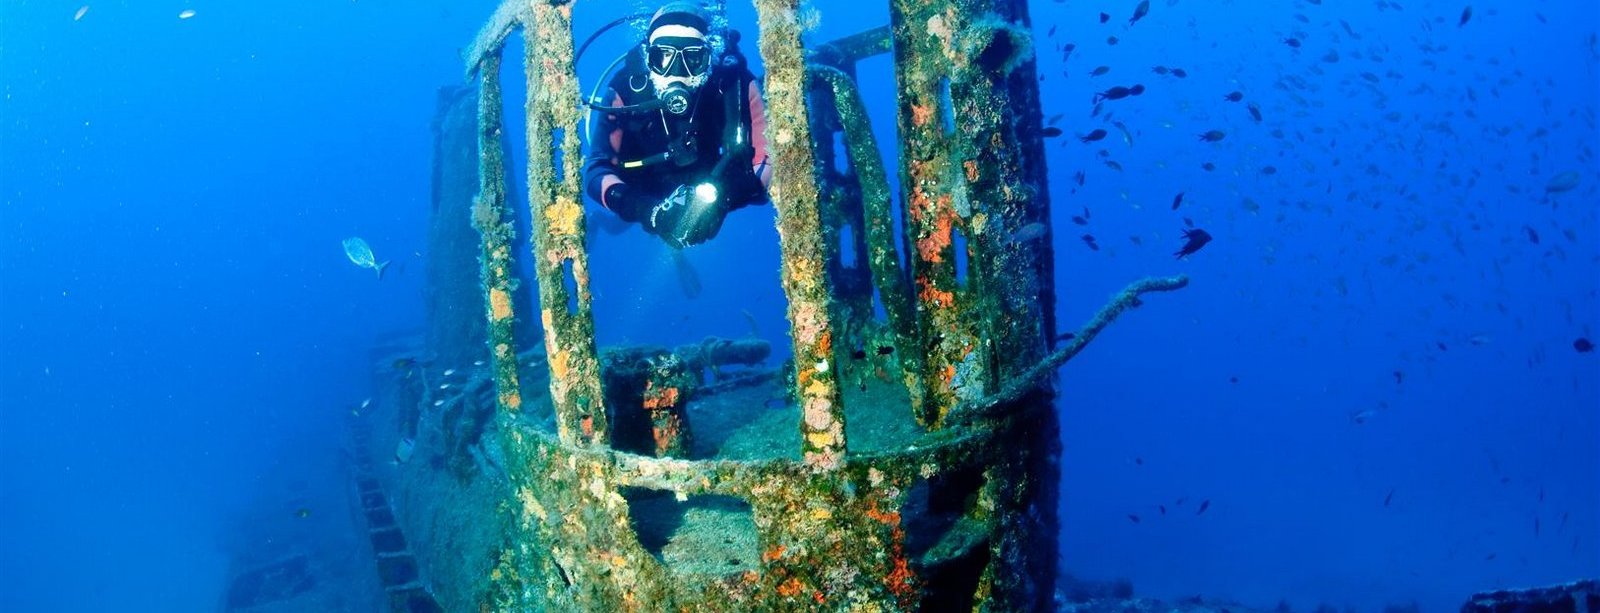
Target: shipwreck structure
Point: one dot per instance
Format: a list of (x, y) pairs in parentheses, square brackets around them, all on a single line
[(919, 475)]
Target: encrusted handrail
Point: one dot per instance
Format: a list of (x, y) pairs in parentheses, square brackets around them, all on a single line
[(492, 36), (489, 218)]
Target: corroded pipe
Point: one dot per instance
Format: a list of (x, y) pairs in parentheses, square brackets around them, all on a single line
[(1018, 386), (557, 226), (800, 238)]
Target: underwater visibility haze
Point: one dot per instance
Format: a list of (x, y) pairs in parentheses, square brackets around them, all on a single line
[(243, 349)]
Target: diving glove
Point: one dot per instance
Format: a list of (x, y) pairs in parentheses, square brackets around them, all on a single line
[(703, 216), (663, 219), (687, 217)]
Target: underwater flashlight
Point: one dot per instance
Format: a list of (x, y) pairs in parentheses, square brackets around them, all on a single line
[(705, 192)]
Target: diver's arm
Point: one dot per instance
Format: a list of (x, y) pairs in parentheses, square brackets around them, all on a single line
[(600, 178), (758, 133)]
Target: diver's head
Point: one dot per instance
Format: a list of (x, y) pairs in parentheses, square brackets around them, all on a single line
[(678, 49)]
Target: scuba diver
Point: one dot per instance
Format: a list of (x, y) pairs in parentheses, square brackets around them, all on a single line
[(678, 140)]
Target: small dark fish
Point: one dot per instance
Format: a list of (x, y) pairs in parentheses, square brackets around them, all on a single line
[(1399, 377), (1292, 42), (1234, 379), (1088, 239), (1139, 12), (1583, 345), (1213, 136), (1133, 518), (1188, 223), (1163, 508), (1269, 170), (1097, 134), (1466, 15), (1255, 111), (1234, 96), (1111, 40), (1180, 73), (1177, 201), (1114, 165), (1533, 235), (1208, 166), (1489, 557), (1194, 239), (1104, 18), (1161, 70), (1563, 182), (1055, 118), (885, 349), (1441, 345), (1138, 461), (1136, 240), (1099, 70), (1078, 219), (859, 354), (1119, 92), (1388, 499), (1204, 504), (1050, 132), (1080, 177)]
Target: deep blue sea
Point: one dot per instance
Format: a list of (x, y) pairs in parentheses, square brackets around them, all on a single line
[(1373, 378)]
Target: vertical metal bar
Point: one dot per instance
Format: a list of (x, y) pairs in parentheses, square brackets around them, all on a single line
[(882, 256), (800, 237), (985, 52), (558, 230), (489, 217), (937, 207)]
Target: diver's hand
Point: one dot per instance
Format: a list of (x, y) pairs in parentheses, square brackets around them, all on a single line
[(701, 220), (665, 217)]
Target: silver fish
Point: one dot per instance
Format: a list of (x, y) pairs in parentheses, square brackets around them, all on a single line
[(361, 255), (1032, 231), (403, 450)]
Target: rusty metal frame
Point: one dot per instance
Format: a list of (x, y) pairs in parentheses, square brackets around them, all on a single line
[(831, 532)]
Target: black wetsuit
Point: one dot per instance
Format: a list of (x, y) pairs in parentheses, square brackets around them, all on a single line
[(617, 141)]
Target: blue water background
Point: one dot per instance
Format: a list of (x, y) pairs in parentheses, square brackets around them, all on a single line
[(180, 334)]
